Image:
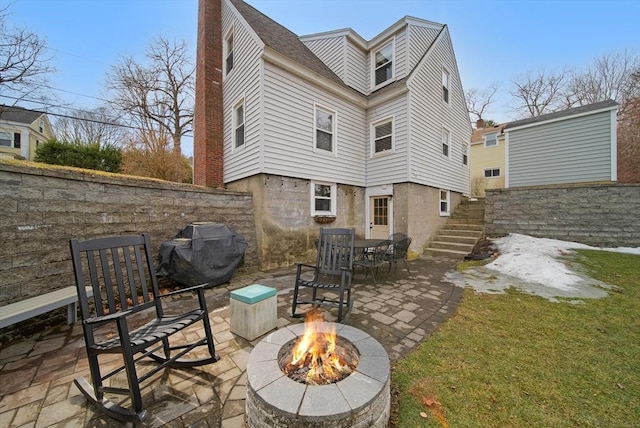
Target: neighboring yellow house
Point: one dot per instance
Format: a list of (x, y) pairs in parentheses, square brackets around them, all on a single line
[(487, 158), (21, 130)]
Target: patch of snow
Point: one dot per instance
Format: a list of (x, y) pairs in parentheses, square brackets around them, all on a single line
[(537, 266)]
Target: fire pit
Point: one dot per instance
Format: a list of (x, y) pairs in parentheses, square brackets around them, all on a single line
[(288, 390)]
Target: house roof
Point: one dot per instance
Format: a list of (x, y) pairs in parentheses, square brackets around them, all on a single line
[(282, 40), (564, 113), (19, 114), (478, 134)]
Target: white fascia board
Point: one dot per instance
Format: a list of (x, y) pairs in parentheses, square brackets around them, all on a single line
[(387, 95), (245, 24), (389, 32), (559, 119), (293, 67)]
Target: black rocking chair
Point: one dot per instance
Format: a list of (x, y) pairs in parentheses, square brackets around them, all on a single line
[(125, 290), (332, 272)]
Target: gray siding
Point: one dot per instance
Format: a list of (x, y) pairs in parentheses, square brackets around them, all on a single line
[(391, 167), (242, 82), (289, 131), (420, 38), (573, 150), (357, 72), (429, 114), (331, 51)]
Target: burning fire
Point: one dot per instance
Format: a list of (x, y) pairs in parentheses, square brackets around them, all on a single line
[(316, 353)]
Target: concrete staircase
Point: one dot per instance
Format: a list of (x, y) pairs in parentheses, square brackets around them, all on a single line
[(462, 230)]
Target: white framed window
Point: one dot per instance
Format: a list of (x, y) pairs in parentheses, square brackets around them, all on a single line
[(41, 126), (445, 198), (446, 142), (238, 124), (325, 129), (383, 67), (6, 139), (491, 140), (465, 154), (382, 137), (445, 85), (228, 53), (492, 173), (323, 198)]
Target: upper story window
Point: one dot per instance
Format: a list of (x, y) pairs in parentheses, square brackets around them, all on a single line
[(383, 136), (491, 140), (238, 124), (325, 125), (465, 154), (446, 142), (228, 53), (41, 126), (445, 85), (445, 197), (383, 66), (323, 198)]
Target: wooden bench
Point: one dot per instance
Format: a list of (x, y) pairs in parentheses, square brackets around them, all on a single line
[(38, 305)]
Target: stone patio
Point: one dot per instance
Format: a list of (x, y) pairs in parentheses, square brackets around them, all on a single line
[(36, 373)]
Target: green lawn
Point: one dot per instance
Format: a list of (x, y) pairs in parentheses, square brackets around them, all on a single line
[(515, 360)]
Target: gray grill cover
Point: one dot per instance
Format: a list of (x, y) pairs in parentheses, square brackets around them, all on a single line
[(202, 253)]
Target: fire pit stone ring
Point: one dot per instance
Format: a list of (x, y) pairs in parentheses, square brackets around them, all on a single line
[(362, 399)]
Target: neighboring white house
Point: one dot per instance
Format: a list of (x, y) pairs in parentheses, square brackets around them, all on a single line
[(21, 131), (577, 145), (332, 128)]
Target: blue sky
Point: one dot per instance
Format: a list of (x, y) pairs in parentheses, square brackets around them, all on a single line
[(494, 40)]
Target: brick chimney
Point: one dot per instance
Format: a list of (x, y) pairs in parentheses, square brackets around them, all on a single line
[(479, 124), (208, 116)]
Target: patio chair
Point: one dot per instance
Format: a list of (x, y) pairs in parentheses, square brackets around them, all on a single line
[(120, 272), (398, 253), (372, 260), (332, 273), (395, 237)]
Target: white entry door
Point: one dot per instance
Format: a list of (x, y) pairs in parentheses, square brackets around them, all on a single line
[(379, 217)]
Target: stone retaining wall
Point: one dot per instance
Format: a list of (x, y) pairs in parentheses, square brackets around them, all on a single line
[(42, 208), (606, 215)]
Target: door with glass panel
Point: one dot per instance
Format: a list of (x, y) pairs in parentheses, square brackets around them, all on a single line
[(379, 217)]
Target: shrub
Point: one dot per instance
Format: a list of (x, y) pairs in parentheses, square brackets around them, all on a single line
[(89, 156)]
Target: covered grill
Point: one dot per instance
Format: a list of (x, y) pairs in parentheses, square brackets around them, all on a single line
[(202, 252)]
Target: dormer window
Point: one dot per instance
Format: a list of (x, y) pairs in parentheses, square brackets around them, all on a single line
[(383, 70)]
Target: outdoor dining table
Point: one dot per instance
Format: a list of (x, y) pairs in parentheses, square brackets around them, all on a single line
[(362, 246)]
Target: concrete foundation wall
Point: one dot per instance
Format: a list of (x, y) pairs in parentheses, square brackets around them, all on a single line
[(42, 208), (285, 230), (606, 215), (417, 213)]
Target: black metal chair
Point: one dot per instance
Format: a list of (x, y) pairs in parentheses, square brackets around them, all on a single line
[(332, 273), (398, 253), (125, 292), (372, 260)]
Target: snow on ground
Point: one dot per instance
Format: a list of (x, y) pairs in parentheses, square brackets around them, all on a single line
[(537, 266)]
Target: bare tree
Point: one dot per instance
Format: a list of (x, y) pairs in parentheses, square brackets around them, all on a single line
[(23, 60), (629, 136), (158, 95), (88, 127), (540, 93), (609, 77), (479, 101)]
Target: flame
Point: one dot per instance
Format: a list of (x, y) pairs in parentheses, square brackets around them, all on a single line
[(316, 350)]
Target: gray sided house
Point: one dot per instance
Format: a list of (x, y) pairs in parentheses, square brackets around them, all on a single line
[(577, 145), (334, 130)]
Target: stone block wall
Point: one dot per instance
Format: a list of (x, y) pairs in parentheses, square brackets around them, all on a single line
[(42, 208), (603, 215)]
